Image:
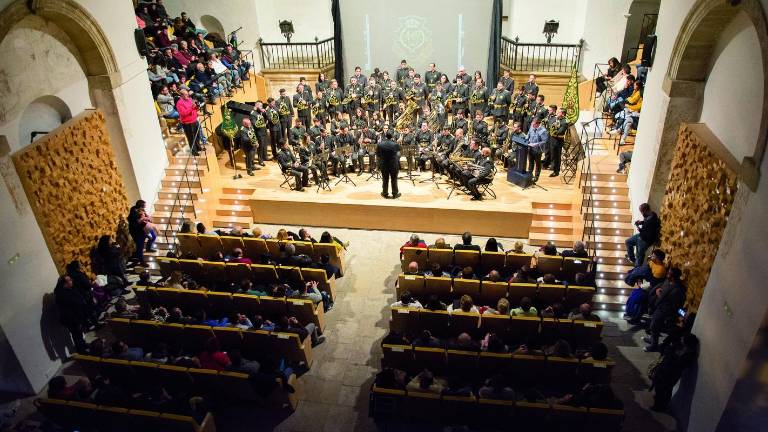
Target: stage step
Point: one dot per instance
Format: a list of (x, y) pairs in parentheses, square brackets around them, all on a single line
[(175, 182), (609, 177), (555, 215), (609, 228), (165, 204), (606, 188), (611, 260), (560, 240), (244, 192), (173, 193), (609, 302), (193, 170), (228, 222), (233, 200), (552, 227), (181, 159), (609, 214), (619, 271), (233, 210), (551, 206), (607, 201)]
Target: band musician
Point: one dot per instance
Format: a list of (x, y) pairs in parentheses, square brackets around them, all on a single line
[(388, 153), (246, 139), (483, 174), (365, 138), (290, 165)]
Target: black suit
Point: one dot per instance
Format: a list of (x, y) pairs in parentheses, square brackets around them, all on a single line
[(388, 152), (286, 160)]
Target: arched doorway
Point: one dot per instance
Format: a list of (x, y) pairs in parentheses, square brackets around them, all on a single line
[(686, 79), (42, 116), (213, 26)]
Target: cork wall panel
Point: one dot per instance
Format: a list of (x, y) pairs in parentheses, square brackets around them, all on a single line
[(72, 182), (697, 202)]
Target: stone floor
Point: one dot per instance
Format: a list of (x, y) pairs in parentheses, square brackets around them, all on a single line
[(334, 392)]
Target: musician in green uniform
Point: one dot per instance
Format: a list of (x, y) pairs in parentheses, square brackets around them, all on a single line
[(408, 146), (424, 140), (371, 100), (479, 128), (365, 138), (499, 103), (508, 81), (498, 138), (302, 101), (437, 104), (285, 109), (530, 111), (246, 138), (314, 131), (419, 91), (531, 86), (517, 108), (431, 77), (557, 130), (296, 134), (391, 97), (320, 108), (306, 159), (459, 122), (459, 96), (259, 120), (483, 174), (334, 95), (446, 143), (352, 97), (478, 98), (275, 128), (402, 72)]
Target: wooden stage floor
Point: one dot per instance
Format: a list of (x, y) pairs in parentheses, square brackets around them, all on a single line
[(423, 207)]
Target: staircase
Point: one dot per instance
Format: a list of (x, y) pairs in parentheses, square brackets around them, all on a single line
[(551, 222), (233, 209)]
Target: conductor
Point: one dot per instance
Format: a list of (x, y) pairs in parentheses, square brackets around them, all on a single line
[(388, 153)]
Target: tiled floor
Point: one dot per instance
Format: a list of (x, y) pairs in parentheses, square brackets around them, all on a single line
[(334, 392)]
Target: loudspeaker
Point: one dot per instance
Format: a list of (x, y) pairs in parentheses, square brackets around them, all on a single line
[(141, 42), (239, 111), (649, 51), (522, 179)]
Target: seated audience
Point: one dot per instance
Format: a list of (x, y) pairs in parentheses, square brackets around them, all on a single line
[(238, 258), (239, 364), (212, 357), (291, 258), (496, 388), (414, 242), (554, 310), (455, 386), (649, 228), (391, 378), (395, 338), (502, 308), (436, 271), (492, 245), (561, 348), (466, 273), (291, 325), (668, 298), (425, 382), (466, 243), (518, 248), (123, 352), (434, 303), (326, 237), (549, 249), (463, 342), (584, 313), (653, 271), (493, 276), (440, 244), (331, 270), (413, 269), (465, 305), (407, 300), (426, 339), (526, 308), (492, 343), (238, 320), (578, 251), (59, 389), (201, 229)]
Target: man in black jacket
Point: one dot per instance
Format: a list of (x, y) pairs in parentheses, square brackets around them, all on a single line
[(483, 176), (388, 153), (289, 164), (649, 228), (73, 311), (669, 298)]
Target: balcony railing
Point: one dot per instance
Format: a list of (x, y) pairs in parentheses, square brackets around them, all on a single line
[(539, 57), (297, 55)]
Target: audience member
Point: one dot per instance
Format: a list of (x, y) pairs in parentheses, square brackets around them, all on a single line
[(578, 251), (238, 258), (425, 382), (291, 325), (440, 244), (649, 228), (413, 269), (59, 389), (496, 388), (123, 352), (526, 308), (465, 305), (492, 245), (434, 303), (436, 271), (466, 243), (413, 242), (407, 300), (212, 357), (502, 308), (668, 298), (584, 313), (426, 339), (73, 311)]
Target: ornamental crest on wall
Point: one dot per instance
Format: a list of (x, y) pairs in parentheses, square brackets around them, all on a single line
[(412, 38)]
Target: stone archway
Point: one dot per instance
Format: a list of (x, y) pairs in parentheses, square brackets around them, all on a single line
[(686, 78), (97, 60)]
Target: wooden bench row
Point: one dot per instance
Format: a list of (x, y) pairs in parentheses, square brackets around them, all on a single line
[(393, 405), (213, 272), (520, 368), (219, 304), (254, 344), (75, 415), (562, 268), (488, 293), (223, 385), (205, 246), (512, 329)]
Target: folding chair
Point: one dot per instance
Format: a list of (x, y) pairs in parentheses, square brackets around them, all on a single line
[(487, 188), (293, 349), (335, 254), (442, 256), (464, 322), (602, 419), (230, 243), (272, 307), (586, 333), (569, 416), (405, 320), (264, 274), (422, 406), (209, 245), (289, 180), (440, 286), (419, 255), (385, 403), (553, 329), (514, 261), (195, 337), (526, 369), (255, 248), (206, 380), (323, 283), (436, 322), (546, 264), (174, 378), (492, 261), (238, 272), (289, 274), (192, 268), (595, 371), (429, 358), (467, 258), (517, 291), (531, 414), (550, 293), (398, 356), (188, 244), (214, 274), (167, 265), (577, 295), (491, 292), (220, 304), (303, 248), (470, 287), (572, 266), (229, 337), (414, 284), (522, 329), (143, 333)]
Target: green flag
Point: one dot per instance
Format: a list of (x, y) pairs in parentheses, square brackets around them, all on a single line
[(571, 98), (228, 126)]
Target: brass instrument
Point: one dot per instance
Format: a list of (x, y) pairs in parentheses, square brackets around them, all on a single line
[(493, 140), (283, 109), (367, 99), (301, 104), (315, 109), (408, 116), (333, 100), (389, 100), (470, 129)]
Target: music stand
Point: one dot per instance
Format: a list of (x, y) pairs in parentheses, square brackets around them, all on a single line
[(455, 184), (344, 177), (432, 178), (375, 172), (409, 150), (522, 158)]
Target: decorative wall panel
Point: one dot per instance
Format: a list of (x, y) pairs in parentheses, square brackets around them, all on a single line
[(697, 202), (72, 182)]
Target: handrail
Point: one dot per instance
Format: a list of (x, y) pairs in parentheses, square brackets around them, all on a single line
[(297, 55), (539, 57), (317, 42), (586, 182)]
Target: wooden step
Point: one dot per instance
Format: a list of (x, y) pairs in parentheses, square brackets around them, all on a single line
[(616, 271), (610, 246), (173, 193), (560, 240), (181, 159), (608, 228), (609, 177), (623, 290), (606, 201), (177, 182), (611, 260), (233, 200), (609, 302), (606, 190), (173, 205), (601, 214), (227, 222), (234, 210), (610, 284), (245, 192), (554, 215), (552, 227), (552, 206), (193, 170)]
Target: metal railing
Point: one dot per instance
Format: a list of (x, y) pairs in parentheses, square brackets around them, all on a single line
[(586, 181), (297, 55), (539, 57)]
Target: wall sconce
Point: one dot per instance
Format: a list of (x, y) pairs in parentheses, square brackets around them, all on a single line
[(550, 29), (286, 28)]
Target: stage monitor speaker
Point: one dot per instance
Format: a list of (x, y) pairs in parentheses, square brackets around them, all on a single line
[(141, 42), (519, 178), (649, 51), (239, 111)]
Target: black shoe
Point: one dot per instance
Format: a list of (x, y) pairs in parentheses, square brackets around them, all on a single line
[(535, 179), (195, 154), (250, 173), (300, 190), (554, 174), (657, 409), (397, 195), (620, 171), (262, 164), (476, 198), (320, 339), (385, 195), (648, 340), (359, 173)]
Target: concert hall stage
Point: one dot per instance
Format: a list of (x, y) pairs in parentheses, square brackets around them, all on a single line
[(421, 208)]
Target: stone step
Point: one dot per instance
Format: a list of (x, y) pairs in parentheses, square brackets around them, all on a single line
[(560, 240), (552, 227), (554, 215)]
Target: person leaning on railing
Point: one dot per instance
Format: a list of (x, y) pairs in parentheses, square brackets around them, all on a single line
[(614, 66)]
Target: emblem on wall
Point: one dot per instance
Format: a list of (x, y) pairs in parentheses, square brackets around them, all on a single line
[(413, 38)]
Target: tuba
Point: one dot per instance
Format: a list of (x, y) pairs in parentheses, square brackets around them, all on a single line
[(408, 115)]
